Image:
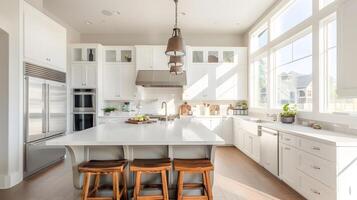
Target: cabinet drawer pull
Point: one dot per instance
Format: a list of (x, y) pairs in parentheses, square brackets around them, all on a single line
[(287, 139), (316, 192), (315, 167), (287, 148), (316, 148)]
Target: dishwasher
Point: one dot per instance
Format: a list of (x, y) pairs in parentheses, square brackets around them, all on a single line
[(269, 141)]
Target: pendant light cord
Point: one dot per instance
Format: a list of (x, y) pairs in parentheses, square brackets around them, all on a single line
[(176, 1)]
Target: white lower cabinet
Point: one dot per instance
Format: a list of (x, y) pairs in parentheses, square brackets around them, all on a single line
[(246, 138), (314, 190), (288, 165), (316, 169), (252, 146), (222, 126)]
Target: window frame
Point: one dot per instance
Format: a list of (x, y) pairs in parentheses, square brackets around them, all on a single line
[(257, 32), (252, 76), (280, 11), (273, 89), (317, 15)]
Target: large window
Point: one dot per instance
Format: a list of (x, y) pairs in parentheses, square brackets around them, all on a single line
[(259, 75), (295, 12), (328, 61), (292, 73)]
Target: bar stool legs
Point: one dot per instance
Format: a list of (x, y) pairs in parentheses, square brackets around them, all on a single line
[(194, 166), (180, 184), (137, 185), (151, 166), (115, 168), (86, 182), (165, 190)]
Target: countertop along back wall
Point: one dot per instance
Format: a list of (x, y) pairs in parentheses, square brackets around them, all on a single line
[(148, 39)]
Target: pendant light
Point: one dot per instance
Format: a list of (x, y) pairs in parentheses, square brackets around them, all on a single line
[(176, 61), (176, 45)]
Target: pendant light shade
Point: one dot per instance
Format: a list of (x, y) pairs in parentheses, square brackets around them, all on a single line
[(176, 45), (176, 70), (176, 61)]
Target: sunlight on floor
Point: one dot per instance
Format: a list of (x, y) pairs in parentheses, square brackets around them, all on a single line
[(228, 189)]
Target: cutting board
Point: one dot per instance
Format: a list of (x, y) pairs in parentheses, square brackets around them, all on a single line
[(130, 121)]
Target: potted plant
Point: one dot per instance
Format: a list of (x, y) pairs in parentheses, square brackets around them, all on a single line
[(108, 110), (288, 114)]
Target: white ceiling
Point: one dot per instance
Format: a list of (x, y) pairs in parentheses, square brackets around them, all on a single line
[(157, 16)]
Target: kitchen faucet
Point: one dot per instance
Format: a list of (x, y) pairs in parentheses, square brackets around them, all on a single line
[(162, 106)]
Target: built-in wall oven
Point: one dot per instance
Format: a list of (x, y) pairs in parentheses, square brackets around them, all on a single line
[(84, 109), (84, 100), (82, 121)]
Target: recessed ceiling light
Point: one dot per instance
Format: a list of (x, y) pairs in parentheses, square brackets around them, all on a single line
[(89, 22), (109, 13)]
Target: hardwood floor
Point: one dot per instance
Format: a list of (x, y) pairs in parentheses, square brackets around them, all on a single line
[(236, 178)]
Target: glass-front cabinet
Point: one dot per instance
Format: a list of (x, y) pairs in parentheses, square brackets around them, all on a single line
[(118, 54), (213, 55)]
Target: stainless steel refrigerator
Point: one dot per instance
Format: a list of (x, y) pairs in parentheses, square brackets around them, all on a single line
[(45, 116)]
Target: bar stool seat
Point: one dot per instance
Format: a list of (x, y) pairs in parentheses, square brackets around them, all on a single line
[(199, 166), (115, 168), (142, 166)]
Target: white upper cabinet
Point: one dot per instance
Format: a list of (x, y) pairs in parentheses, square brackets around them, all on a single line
[(347, 48), (45, 41), (216, 73), (150, 57), (119, 82), (83, 75)]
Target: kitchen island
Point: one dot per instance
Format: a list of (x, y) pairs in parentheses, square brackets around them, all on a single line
[(182, 138)]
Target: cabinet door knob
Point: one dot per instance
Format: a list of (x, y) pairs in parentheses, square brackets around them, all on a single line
[(315, 167), (316, 148), (316, 192)]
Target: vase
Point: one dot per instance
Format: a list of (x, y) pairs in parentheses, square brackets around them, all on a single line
[(287, 120)]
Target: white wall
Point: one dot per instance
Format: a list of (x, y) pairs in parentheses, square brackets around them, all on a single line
[(11, 95), (147, 39)]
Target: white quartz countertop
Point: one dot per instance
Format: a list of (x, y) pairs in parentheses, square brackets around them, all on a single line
[(329, 137), (178, 132)]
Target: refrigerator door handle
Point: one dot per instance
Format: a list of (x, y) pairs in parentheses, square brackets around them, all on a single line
[(26, 116), (47, 101), (44, 110)]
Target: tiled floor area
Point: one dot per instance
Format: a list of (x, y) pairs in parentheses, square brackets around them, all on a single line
[(236, 178)]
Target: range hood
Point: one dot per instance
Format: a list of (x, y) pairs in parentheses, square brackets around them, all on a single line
[(160, 78)]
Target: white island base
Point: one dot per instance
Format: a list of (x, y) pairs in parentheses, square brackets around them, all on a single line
[(183, 139)]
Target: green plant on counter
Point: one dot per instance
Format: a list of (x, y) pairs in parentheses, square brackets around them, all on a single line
[(109, 109), (288, 110)]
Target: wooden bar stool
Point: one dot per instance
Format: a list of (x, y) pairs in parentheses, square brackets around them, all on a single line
[(194, 166), (115, 168), (142, 166)]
